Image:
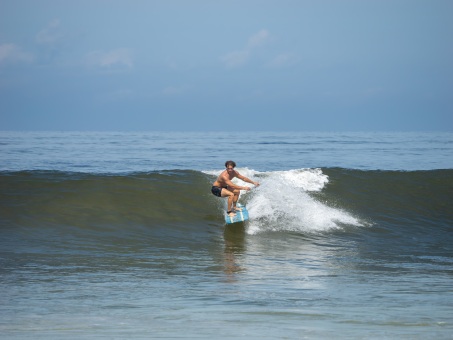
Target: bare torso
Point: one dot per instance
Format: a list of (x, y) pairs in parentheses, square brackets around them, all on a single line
[(224, 179)]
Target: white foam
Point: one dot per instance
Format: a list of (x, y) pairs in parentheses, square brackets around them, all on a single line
[(282, 202), (306, 179)]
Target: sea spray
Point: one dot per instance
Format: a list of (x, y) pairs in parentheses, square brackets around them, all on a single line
[(282, 203)]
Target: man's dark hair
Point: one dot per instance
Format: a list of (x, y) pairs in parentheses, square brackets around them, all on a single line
[(233, 164)]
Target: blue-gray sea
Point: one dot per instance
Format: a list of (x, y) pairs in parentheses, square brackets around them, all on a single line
[(116, 235)]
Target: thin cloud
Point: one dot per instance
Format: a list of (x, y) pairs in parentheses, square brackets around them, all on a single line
[(13, 53), (121, 57), (51, 34), (281, 60), (258, 39), (241, 57), (235, 59)]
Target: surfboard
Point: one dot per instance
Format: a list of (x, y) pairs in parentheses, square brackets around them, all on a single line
[(240, 216)]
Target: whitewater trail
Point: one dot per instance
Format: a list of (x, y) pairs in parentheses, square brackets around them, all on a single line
[(282, 202)]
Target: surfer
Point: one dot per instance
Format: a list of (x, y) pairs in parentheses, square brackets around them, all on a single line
[(223, 187)]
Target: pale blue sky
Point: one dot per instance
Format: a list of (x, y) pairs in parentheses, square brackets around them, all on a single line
[(368, 65)]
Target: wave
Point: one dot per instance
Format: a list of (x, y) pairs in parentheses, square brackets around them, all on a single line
[(297, 200), (283, 202)]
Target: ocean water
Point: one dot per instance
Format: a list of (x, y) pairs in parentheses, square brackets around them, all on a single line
[(116, 235)]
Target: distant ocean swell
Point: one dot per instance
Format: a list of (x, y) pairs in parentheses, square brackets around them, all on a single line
[(300, 200)]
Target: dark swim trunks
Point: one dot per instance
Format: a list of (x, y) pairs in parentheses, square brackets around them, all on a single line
[(217, 191)]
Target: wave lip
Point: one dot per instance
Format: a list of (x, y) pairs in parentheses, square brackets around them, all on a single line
[(283, 203)]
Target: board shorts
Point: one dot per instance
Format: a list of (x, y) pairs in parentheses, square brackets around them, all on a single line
[(217, 191)]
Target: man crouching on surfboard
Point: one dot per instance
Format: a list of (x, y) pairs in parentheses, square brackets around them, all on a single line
[(223, 187)]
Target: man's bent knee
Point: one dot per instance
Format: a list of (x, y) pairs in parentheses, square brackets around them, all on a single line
[(227, 193)]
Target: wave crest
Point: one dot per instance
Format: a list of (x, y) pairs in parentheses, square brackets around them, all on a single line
[(282, 203)]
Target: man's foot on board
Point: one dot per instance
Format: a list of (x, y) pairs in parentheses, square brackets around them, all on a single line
[(237, 208), (231, 213)]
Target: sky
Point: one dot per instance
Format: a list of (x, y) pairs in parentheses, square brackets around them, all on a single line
[(217, 65)]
